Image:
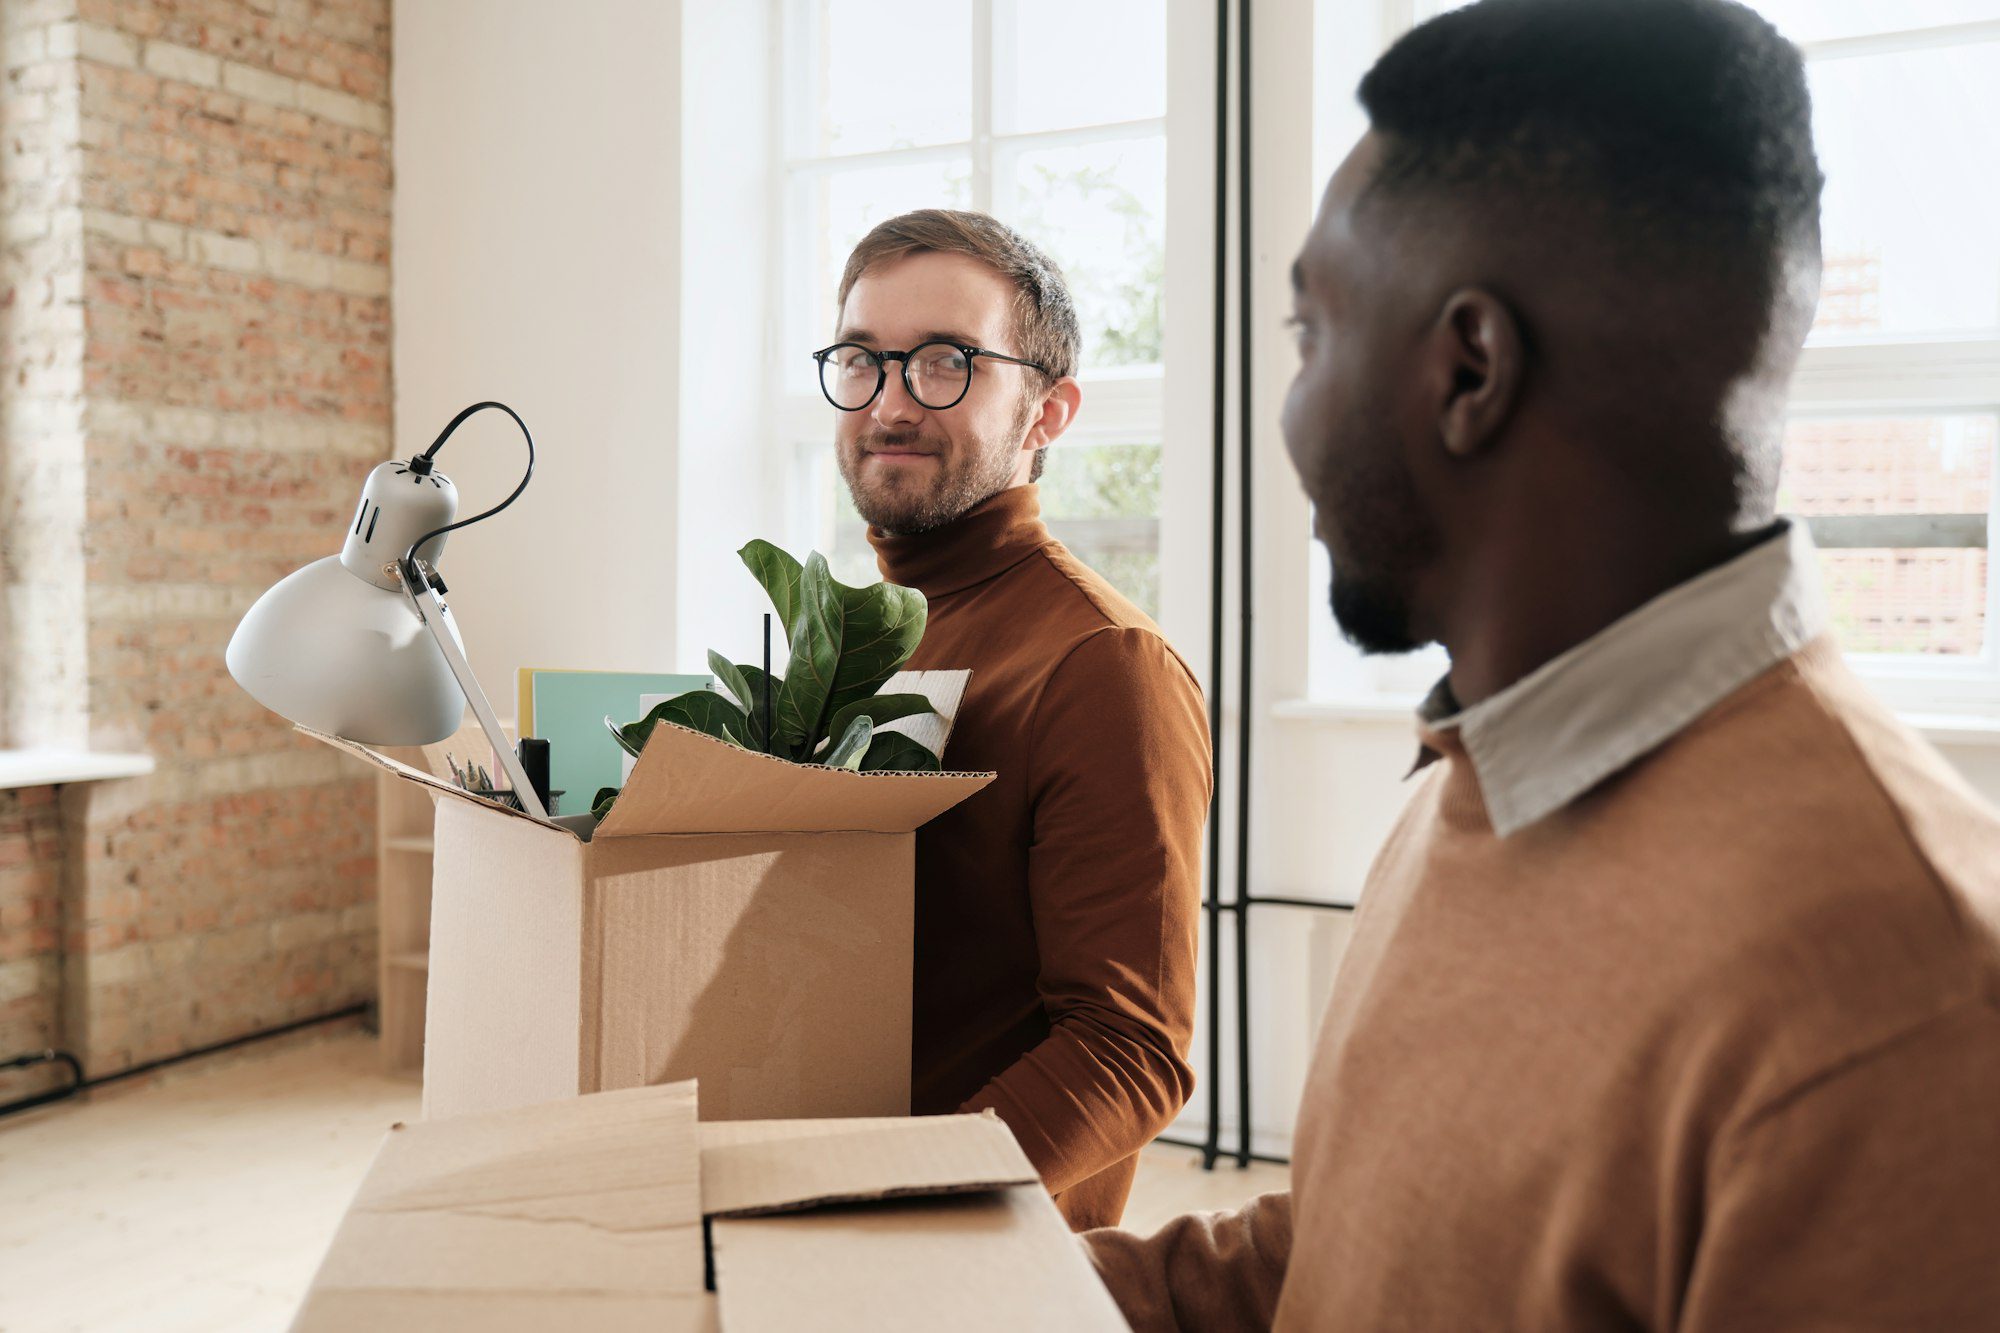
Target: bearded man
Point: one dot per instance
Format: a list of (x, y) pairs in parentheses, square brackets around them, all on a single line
[(1057, 909)]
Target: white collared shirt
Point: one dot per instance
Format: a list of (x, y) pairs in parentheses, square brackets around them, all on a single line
[(1627, 690)]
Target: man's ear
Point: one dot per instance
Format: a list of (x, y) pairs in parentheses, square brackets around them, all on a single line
[(1475, 357), (1058, 410)]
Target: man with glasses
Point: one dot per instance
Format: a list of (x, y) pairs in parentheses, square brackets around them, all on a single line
[(1057, 909)]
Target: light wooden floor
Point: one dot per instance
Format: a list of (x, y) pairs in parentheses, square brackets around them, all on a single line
[(201, 1199)]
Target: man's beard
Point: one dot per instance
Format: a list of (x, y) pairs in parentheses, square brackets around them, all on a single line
[(1384, 540), (904, 505)]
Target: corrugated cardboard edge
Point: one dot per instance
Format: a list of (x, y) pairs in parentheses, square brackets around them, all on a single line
[(809, 1164), (682, 770), (419, 776)]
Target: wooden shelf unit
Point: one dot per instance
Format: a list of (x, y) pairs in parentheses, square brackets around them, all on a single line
[(405, 821), (404, 817)]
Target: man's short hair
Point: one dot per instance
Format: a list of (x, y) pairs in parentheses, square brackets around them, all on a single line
[(1675, 133), (1045, 328)]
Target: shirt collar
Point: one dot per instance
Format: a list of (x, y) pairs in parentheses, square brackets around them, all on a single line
[(1613, 699), (986, 541)]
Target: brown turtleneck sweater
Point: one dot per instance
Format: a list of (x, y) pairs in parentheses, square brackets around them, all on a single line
[(1056, 909)]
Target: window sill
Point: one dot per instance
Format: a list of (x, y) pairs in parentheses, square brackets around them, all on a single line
[(1953, 729), (52, 767)]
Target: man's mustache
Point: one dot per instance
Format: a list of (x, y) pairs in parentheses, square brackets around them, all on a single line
[(898, 439)]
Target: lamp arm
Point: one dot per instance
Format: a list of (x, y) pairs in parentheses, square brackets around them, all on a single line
[(433, 612), (413, 576)]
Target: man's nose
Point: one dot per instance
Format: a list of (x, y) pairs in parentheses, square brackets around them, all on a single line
[(894, 406)]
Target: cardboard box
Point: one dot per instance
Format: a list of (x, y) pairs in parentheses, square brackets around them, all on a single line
[(736, 918), (589, 1213)]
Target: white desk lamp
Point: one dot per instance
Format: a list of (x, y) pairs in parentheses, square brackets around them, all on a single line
[(361, 644)]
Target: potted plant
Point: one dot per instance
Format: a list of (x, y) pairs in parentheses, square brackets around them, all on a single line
[(844, 644)]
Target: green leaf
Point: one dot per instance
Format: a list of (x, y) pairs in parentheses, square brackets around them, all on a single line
[(893, 752), (732, 679), (600, 805), (780, 576), (698, 710), (816, 653), (752, 688), (849, 641), (883, 626), (880, 709), (625, 743), (852, 746)]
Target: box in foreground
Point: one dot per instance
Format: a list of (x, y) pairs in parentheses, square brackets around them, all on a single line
[(590, 1213)]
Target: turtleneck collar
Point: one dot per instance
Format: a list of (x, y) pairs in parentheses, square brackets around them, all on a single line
[(990, 539)]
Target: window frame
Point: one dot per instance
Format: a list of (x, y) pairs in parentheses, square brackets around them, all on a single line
[(1123, 405)]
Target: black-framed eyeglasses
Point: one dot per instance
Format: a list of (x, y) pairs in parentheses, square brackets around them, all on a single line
[(937, 374)]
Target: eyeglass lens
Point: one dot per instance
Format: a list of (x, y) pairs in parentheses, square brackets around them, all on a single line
[(937, 374)]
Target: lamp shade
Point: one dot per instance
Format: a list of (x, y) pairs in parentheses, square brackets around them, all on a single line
[(339, 646), (341, 655)]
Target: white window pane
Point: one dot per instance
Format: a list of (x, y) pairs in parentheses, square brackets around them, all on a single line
[(1103, 502), (1910, 143), (887, 77), (1100, 211), (1823, 20), (1058, 64), (840, 207), (1917, 600)]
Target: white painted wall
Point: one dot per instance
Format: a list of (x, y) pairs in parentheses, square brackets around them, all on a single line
[(537, 260)]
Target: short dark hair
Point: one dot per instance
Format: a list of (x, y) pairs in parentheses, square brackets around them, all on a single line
[(1677, 133), (1045, 326)]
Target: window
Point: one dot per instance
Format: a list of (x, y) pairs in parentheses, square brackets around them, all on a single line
[(1050, 137), (1894, 421), (1895, 424)]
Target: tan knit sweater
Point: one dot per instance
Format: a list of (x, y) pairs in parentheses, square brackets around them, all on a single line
[(1714, 1046)]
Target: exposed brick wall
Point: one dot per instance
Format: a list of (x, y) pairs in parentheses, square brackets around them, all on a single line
[(41, 396), (30, 930), (232, 215)]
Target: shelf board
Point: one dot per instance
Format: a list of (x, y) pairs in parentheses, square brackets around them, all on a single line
[(416, 960), (415, 842), (52, 767)]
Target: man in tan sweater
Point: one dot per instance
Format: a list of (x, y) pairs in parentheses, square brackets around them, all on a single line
[(1056, 910), (1673, 1001)]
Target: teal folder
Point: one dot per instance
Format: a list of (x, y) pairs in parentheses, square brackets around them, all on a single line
[(568, 708)]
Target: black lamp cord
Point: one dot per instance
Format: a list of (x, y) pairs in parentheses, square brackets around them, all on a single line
[(421, 465)]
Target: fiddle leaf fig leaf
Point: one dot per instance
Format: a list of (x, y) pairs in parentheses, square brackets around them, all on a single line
[(893, 752), (880, 710), (732, 679), (625, 743), (698, 710), (780, 575), (882, 625), (852, 746), (600, 805), (816, 654)]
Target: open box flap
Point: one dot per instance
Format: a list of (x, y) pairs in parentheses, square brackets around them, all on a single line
[(571, 1210), (418, 775), (687, 782), (749, 1168)]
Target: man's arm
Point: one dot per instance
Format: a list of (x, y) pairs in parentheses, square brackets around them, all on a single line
[(1870, 1199), (1219, 1271), (1120, 782)]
